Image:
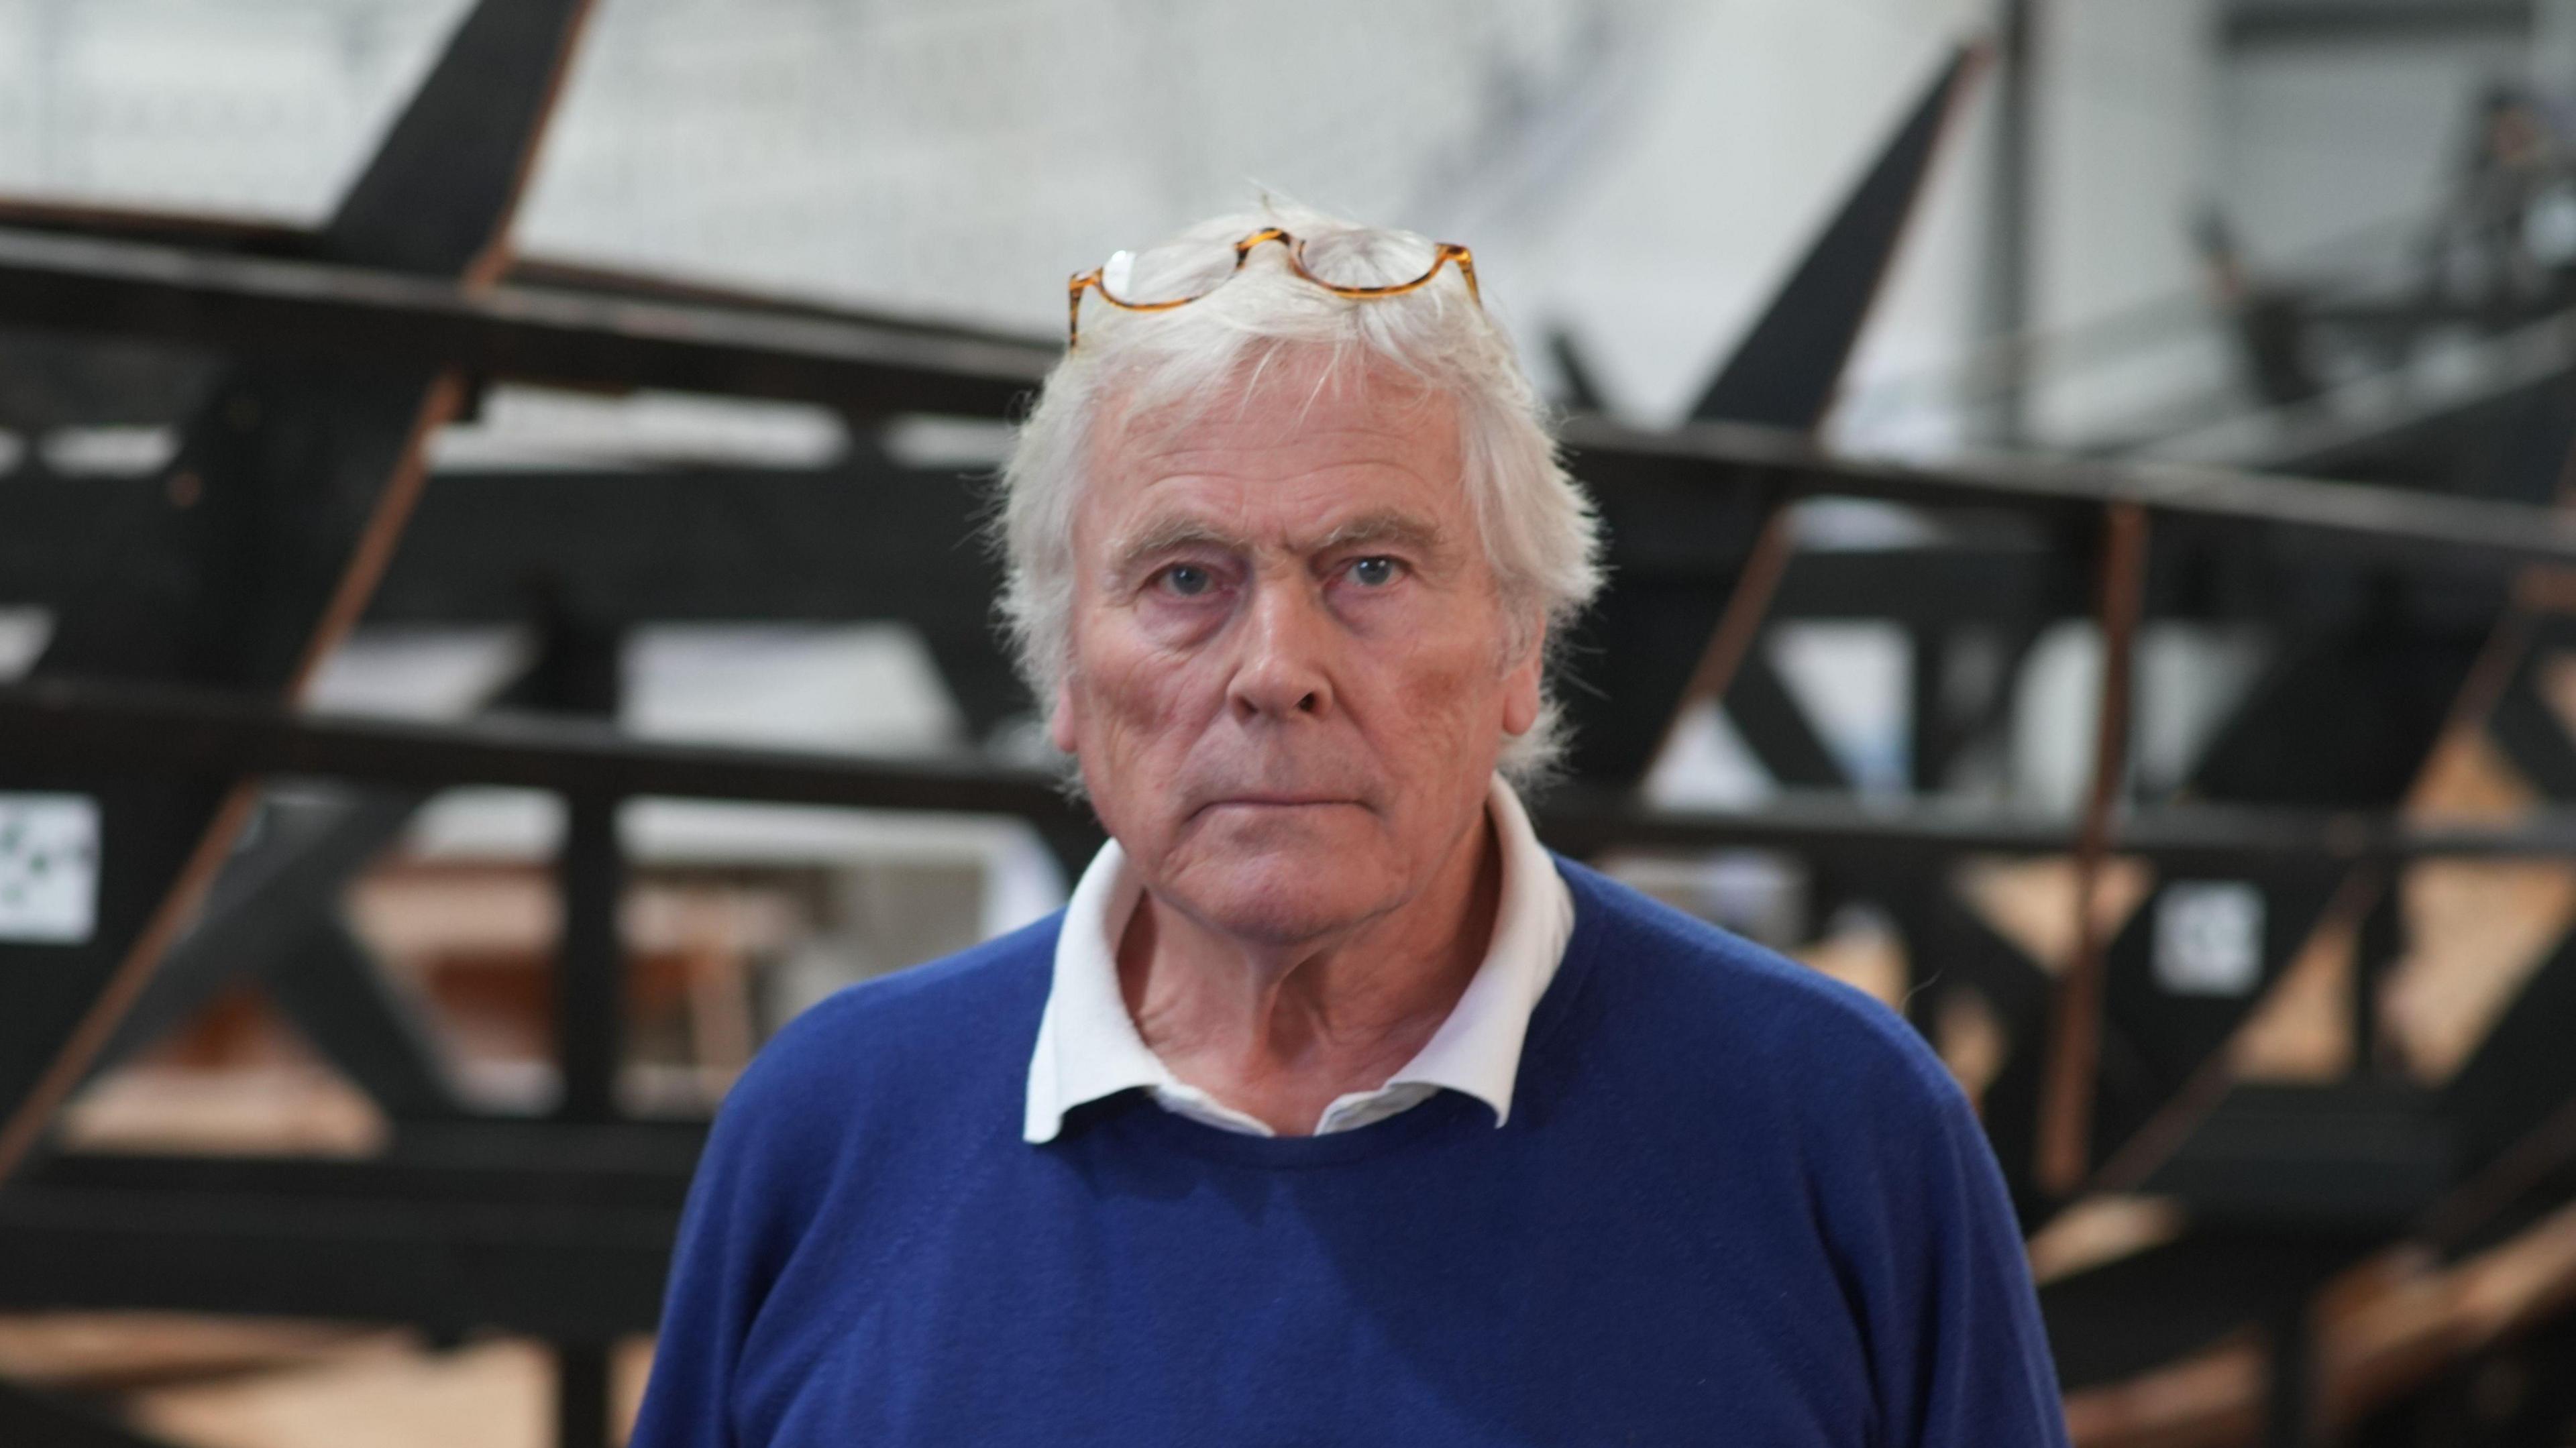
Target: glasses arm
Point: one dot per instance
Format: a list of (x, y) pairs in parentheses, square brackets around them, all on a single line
[(1073, 305)]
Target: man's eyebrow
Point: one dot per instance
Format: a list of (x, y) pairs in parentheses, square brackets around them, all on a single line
[(1396, 528), (1171, 535)]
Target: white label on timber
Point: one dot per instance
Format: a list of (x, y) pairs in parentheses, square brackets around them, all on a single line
[(2209, 937), (48, 868)]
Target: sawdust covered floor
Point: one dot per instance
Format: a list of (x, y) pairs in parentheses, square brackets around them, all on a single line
[(238, 1081), (244, 1383)]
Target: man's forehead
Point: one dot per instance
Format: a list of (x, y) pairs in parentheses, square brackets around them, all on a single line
[(1341, 460), (1272, 393), (1409, 430), (1221, 448)]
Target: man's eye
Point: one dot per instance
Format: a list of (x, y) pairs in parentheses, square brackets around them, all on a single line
[(1374, 572), (1187, 579)]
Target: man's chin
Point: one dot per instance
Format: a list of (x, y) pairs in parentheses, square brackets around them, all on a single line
[(1285, 890), (1296, 834)]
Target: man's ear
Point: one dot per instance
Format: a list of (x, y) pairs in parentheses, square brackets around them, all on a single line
[(1521, 693), (1060, 717)]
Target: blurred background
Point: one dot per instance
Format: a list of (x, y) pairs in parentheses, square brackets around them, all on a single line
[(492, 623)]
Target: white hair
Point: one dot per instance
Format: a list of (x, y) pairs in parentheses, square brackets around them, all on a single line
[(1537, 527)]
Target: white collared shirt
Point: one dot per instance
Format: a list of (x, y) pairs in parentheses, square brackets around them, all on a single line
[(1088, 1046)]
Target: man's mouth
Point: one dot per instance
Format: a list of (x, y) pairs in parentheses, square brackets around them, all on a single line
[(1282, 802)]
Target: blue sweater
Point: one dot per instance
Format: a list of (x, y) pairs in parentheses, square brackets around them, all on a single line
[(1736, 1203)]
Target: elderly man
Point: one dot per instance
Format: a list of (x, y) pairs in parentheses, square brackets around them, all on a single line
[(1333, 1109)]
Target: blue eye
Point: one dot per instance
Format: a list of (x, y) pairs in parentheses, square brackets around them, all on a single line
[(1186, 579), (1373, 572)]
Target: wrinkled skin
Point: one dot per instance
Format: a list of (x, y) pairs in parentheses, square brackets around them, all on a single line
[(1291, 677)]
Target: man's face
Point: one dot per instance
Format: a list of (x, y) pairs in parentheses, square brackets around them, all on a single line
[(1289, 677)]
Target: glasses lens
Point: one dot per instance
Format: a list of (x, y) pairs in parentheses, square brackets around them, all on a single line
[(1368, 258), (1178, 271)]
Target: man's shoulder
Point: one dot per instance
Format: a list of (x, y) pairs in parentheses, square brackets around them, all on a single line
[(1728, 1005), (929, 1028)]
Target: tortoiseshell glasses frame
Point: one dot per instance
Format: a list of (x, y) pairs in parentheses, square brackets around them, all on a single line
[(1096, 279)]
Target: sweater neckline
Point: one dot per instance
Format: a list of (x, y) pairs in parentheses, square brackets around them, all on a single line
[(1449, 1110)]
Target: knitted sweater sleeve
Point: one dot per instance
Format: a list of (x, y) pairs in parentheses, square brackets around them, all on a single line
[(754, 1191), (707, 1304), (1958, 1352)]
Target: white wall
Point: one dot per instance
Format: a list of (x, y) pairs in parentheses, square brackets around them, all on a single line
[(1757, 118), (2322, 142), (263, 106), (2122, 119), (1645, 170)]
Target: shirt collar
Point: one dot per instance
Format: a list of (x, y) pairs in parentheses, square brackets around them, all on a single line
[(1088, 1047)]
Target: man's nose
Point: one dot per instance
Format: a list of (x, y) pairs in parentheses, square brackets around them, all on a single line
[(1287, 641)]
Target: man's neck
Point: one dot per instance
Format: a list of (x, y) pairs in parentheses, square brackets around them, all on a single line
[(1280, 1031)]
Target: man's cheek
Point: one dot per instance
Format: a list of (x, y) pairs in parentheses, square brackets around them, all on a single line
[(1433, 695), (1161, 693)]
